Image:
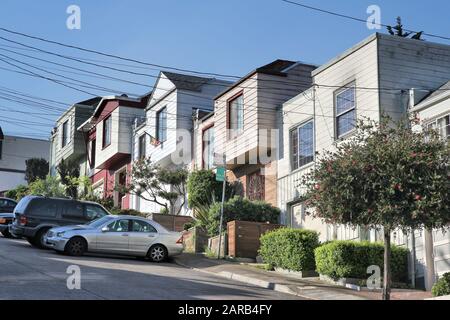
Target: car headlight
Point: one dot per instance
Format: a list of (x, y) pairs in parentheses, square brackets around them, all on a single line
[(60, 234)]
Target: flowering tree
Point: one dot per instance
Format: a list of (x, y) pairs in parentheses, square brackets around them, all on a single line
[(385, 176)]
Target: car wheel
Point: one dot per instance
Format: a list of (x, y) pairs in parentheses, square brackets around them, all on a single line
[(157, 253), (39, 238), (7, 234), (76, 247)]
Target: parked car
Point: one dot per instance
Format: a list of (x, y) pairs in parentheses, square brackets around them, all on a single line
[(122, 235), (5, 220), (35, 215), (7, 205)]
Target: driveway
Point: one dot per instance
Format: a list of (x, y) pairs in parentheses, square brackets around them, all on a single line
[(29, 273)]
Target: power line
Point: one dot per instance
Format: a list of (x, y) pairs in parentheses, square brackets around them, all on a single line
[(357, 19)]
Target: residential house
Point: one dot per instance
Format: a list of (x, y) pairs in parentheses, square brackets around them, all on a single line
[(369, 79), (108, 140), (246, 123), (14, 151), (66, 142), (166, 135), (432, 108)]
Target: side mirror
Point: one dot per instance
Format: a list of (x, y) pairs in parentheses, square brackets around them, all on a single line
[(105, 229)]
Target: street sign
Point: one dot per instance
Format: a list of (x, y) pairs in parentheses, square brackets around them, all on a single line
[(219, 159), (220, 174)]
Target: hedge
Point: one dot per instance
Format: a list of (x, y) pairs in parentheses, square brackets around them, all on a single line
[(442, 286), (238, 208), (291, 249), (350, 259)]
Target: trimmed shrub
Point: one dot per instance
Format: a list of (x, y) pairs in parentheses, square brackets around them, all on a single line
[(350, 259), (442, 286), (127, 212), (291, 249), (238, 208)]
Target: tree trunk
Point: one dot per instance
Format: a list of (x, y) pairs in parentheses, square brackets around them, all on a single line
[(387, 265)]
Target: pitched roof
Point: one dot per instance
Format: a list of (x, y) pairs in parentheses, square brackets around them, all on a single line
[(439, 91), (186, 82)]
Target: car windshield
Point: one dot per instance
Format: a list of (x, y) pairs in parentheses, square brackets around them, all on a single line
[(98, 222)]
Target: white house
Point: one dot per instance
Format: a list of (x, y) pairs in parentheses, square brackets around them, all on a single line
[(166, 134), (369, 79), (13, 153)]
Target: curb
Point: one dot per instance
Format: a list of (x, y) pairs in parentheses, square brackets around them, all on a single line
[(249, 280)]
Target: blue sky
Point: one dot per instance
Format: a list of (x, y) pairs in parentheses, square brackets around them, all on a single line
[(227, 37)]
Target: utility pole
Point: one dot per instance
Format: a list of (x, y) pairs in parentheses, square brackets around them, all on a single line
[(221, 175)]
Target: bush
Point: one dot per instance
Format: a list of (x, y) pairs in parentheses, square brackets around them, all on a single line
[(18, 193), (291, 249), (127, 212), (442, 286), (350, 259), (202, 188), (238, 208)]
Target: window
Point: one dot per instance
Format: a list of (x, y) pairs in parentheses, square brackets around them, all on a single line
[(94, 212), (65, 134), (42, 208), (73, 210), (142, 226), (345, 110), (119, 226), (93, 145), (443, 126), (107, 125), (236, 116), (208, 148), (302, 145), (142, 146), (255, 186), (161, 125)]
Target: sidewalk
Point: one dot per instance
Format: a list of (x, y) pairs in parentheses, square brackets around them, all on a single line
[(310, 288)]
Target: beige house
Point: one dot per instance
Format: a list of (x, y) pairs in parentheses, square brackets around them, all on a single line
[(246, 123), (369, 79)]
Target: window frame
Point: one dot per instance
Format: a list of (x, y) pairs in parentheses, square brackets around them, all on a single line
[(65, 136), (337, 134), (233, 133), (142, 146), (161, 111), (107, 119), (207, 144), (296, 130)]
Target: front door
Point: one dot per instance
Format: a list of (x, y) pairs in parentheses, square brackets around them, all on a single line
[(116, 238)]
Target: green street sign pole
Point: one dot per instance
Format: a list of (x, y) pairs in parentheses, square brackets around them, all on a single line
[(221, 176)]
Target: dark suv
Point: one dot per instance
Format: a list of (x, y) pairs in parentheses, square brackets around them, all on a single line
[(7, 205), (35, 215)]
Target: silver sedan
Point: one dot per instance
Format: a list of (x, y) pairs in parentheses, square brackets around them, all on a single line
[(122, 235)]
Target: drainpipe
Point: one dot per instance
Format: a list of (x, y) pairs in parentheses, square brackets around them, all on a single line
[(413, 259)]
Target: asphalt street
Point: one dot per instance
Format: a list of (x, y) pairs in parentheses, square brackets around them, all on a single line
[(30, 273)]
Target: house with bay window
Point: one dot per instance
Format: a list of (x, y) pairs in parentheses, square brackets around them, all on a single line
[(166, 134), (247, 119), (107, 137), (372, 78)]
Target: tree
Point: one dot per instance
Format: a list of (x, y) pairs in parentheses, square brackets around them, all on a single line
[(48, 187), (68, 170), (36, 169), (398, 30), (386, 176), (159, 185)]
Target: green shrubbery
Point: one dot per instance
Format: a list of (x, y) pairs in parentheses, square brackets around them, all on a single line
[(350, 259), (291, 249), (238, 208), (442, 287), (127, 212)]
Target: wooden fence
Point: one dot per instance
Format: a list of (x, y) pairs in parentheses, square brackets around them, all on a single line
[(243, 237), (171, 222)]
